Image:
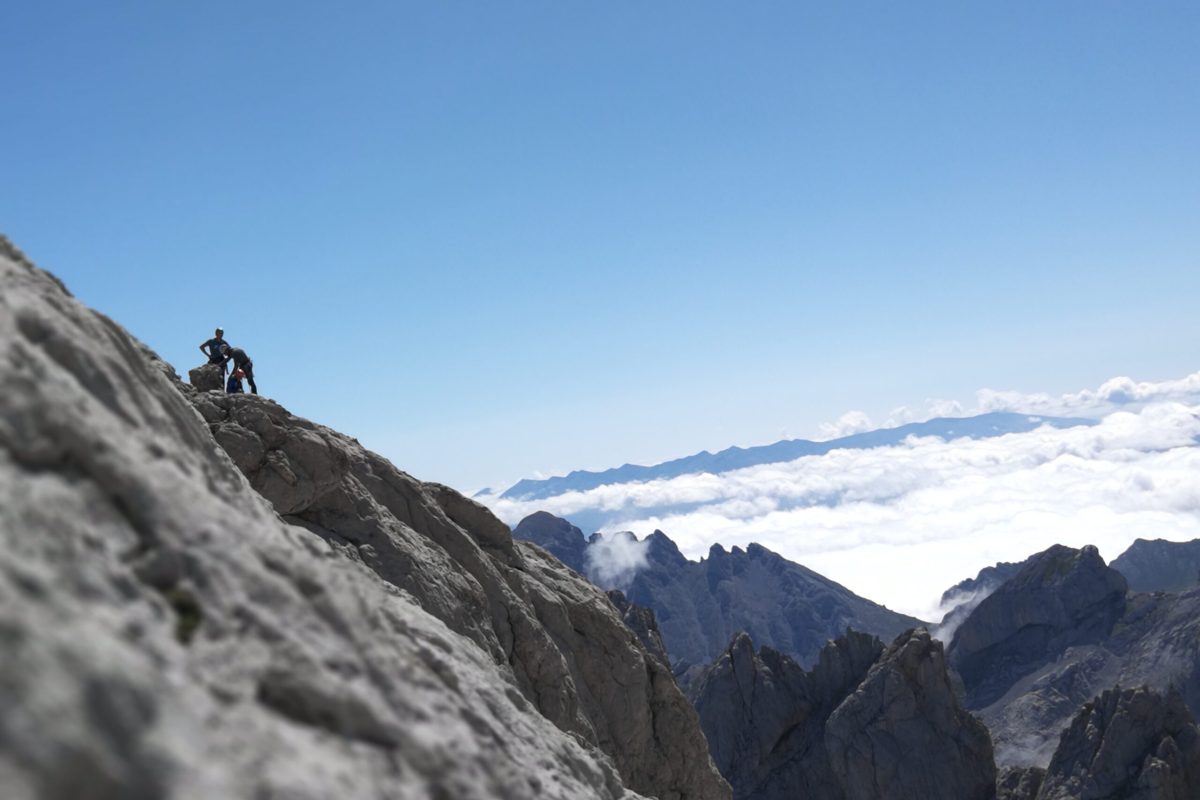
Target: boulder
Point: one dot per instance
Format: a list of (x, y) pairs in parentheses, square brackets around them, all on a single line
[(207, 378)]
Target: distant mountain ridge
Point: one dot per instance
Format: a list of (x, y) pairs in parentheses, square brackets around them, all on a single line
[(701, 605), (983, 426)]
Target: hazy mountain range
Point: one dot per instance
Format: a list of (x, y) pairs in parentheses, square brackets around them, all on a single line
[(982, 426)]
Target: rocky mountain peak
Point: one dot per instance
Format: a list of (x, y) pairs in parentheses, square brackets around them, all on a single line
[(203, 595), (865, 722), (1157, 565), (701, 605), (903, 733), (1060, 597)]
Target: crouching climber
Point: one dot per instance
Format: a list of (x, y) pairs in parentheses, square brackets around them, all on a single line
[(241, 361), (235, 382)]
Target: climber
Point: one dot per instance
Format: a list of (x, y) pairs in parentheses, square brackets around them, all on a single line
[(241, 362), (235, 382), (214, 346)]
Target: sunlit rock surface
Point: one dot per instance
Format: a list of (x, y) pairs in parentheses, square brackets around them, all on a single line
[(239, 603)]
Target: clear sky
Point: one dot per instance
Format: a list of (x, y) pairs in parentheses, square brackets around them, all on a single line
[(496, 239)]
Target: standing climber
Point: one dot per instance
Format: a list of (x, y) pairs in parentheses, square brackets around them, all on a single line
[(241, 361), (235, 382), (212, 348)]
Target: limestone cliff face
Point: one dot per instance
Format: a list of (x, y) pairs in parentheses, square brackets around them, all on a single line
[(1134, 743), (865, 724), (903, 734), (309, 623)]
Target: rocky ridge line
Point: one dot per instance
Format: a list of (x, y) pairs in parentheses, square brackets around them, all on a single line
[(168, 634)]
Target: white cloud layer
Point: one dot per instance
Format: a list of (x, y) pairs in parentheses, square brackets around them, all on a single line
[(901, 524), (1112, 395)]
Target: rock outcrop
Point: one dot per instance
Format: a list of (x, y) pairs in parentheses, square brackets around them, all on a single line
[(1059, 598), (765, 717), (864, 723), (1156, 565), (701, 605), (1059, 633), (1019, 783), (903, 734), (641, 621), (1132, 744), (308, 623), (207, 378)]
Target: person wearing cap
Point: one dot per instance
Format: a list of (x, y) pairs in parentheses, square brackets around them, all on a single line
[(241, 362), (214, 345)]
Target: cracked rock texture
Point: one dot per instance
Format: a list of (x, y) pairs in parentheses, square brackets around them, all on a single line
[(207, 378), (1132, 744), (903, 734), (642, 622), (865, 723), (239, 603)]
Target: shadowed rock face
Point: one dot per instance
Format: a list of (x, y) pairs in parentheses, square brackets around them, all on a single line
[(903, 734), (642, 622), (701, 605), (259, 607), (1019, 783), (765, 717), (864, 723), (1134, 744), (557, 536), (1028, 684), (1059, 598), (1160, 566)]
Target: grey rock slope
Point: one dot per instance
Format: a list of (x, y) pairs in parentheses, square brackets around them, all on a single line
[(864, 723), (1134, 744), (314, 624), (1156, 565), (642, 622), (701, 605), (1059, 633)]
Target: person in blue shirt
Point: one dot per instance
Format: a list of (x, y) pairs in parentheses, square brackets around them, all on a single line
[(235, 382), (214, 345)]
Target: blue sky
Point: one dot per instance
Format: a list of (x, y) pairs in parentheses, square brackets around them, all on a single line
[(491, 240)]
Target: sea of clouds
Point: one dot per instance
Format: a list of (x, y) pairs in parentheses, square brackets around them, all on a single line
[(901, 524)]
